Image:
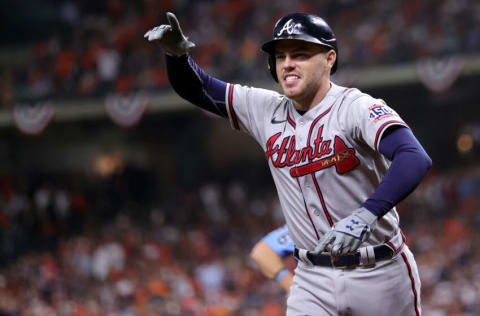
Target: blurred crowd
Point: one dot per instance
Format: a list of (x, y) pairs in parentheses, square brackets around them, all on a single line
[(442, 222), (100, 248), (97, 47), (83, 245), (92, 248)]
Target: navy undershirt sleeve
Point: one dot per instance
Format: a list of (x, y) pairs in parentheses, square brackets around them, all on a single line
[(195, 86), (409, 165)]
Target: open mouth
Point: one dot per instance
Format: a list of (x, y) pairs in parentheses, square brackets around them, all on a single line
[(291, 78)]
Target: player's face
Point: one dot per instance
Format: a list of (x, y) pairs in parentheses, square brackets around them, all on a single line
[(303, 71)]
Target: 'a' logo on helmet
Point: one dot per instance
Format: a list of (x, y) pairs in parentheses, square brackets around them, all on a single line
[(288, 27)]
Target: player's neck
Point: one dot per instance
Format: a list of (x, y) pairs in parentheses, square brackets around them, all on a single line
[(308, 103)]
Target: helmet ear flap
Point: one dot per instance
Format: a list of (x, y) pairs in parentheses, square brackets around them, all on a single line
[(272, 67)]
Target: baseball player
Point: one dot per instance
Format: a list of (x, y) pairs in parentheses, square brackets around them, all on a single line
[(269, 253), (340, 159)]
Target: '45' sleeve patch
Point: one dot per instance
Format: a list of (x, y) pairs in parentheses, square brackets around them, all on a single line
[(380, 111)]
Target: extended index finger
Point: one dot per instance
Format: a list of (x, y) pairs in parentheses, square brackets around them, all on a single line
[(172, 19)]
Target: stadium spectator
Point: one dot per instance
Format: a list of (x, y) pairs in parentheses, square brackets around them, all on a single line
[(97, 50)]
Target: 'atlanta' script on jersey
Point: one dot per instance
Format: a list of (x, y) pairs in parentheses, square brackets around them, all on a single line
[(310, 159)]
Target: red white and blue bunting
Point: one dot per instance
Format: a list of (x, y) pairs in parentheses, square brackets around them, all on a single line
[(126, 111), (438, 75), (32, 119)]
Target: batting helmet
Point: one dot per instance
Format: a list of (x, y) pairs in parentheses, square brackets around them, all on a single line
[(300, 26)]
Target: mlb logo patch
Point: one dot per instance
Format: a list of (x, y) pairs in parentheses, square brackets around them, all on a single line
[(379, 112)]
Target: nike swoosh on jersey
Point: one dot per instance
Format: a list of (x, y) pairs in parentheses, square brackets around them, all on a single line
[(274, 121)]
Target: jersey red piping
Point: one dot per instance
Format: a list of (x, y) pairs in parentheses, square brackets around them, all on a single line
[(230, 106), (315, 122), (322, 201), (395, 250), (383, 126), (289, 119), (412, 280)]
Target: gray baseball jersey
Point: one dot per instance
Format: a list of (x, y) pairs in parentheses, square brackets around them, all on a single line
[(324, 163)]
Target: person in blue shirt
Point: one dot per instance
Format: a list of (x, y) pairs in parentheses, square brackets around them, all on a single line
[(269, 253)]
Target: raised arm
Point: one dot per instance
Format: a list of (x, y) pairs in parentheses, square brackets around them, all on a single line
[(185, 76)]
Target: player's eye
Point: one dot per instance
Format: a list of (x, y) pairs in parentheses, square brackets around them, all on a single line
[(300, 55), (279, 57)]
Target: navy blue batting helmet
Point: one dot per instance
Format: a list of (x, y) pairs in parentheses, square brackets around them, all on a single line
[(300, 26)]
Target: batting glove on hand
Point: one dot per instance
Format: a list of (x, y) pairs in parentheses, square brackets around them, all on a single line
[(170, 37), (348, 234)]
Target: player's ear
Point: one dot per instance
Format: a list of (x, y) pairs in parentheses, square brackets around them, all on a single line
[(331, 57)]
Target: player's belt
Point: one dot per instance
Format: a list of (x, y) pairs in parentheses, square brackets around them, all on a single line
[(365, 256)]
